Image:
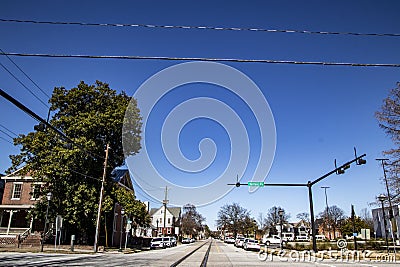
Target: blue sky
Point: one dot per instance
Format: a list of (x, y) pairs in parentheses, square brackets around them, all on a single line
[(320, 112)]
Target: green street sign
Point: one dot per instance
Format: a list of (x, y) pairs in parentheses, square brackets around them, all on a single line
[(260, 184)]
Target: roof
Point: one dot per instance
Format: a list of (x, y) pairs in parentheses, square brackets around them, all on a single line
[(175, 211), (118, 174)]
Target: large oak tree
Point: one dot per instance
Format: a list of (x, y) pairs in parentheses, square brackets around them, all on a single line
[(92, 116)]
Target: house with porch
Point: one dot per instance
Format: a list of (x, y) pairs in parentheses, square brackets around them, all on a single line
[(20, 194)]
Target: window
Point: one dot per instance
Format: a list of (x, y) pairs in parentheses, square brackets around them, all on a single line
[(169, 231), (160, 220), (169, 220), (17, 191), (35, 193)]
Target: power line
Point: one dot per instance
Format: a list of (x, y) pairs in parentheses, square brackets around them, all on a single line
[(26, 75), (4, 127), (48, 125), (188, 27), (6, 134), (18, 80), (86, 176), (237, 60), (6, 140)]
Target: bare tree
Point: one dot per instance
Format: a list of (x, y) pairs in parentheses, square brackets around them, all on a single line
[(273, 219), (366, 216), (305, 216), (192, 220), (389, 121), (261, 220), (332, 218), (231, 217)]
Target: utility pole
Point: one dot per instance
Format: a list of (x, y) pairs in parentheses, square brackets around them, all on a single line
[(391, 216), (96, 237), (327, 212), (165, 202)]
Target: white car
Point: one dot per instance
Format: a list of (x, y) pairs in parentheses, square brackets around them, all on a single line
[(271, 240), (157, 242), (239, 242), (229, 240), (251, 244)]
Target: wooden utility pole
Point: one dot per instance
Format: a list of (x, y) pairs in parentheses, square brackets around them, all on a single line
[(96, 237), (165, 202)]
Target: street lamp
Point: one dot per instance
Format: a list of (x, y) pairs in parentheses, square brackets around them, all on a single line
[(280, 213), (48, 196), (122, 224), (382, 198), (327, 212)]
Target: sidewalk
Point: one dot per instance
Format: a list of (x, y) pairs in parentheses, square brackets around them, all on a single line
[(66, 249)]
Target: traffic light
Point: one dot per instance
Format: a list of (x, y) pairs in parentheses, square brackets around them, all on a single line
[(340, 170), (359, 161)]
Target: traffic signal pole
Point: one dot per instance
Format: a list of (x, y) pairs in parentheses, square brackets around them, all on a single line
[(338, 170)]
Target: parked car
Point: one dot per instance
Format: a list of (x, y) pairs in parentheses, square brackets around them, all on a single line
[(239, 242), (229, 240), (157, 242), (185, 240), (271, 240), (173, 241), (251, 244), (302, 238)]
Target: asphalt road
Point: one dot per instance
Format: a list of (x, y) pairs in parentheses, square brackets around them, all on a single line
[(220, 254)]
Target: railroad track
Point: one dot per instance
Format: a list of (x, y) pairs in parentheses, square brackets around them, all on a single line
[(194, 252)]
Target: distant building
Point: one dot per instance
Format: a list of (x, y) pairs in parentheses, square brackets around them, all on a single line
[(379, 226), (171, 215)]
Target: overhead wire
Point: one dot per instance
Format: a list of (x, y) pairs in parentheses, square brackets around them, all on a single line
[(4, 127), (26, 75), (6, 140), (190, 27), (237, 60), (20, 82), (48, 125), (1, 131)]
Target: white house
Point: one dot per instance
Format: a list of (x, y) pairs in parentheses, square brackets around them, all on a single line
[(166, 220)]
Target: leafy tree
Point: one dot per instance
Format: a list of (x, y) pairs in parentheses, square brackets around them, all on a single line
[(231, 217), (192, 220), (92, 116), (389, 120), (135, 209), (347, 227), (273, 219)]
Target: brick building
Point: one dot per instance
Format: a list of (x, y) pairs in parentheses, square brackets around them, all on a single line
[(20, 194)]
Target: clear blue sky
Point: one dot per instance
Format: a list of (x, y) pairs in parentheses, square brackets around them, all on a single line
[(320, 112)]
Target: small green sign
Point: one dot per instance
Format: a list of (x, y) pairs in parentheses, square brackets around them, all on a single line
[(260, 184)]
